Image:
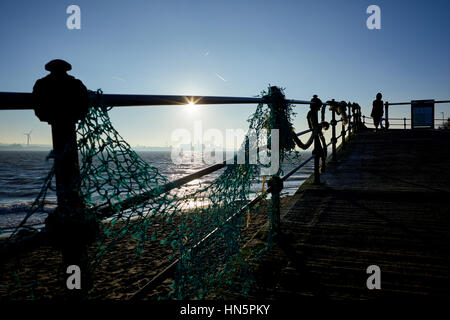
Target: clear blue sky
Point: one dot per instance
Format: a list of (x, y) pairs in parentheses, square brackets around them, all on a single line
[(186, 47)]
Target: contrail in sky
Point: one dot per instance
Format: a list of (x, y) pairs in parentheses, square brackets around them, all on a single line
[(119, 79), (220, 77)]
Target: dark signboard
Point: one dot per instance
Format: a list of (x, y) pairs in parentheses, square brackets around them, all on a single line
[(422, 114)]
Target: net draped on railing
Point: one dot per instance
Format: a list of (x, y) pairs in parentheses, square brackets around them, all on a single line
[(112, 174)]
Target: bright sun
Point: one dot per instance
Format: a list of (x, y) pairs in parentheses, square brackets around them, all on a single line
[(191, 106)]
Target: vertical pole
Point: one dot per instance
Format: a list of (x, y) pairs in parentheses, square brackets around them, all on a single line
[(276, 185), (343, 135), (360, 117), (277, 104), (67, 171), (333, 134), (404, 123), (350, 125), (358, 112), (386, 108), (70, 206), (61, 100), (317, 150), (323, 113), (364, 119)]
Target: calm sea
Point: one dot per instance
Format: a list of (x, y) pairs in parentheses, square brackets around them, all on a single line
[(22, 174)]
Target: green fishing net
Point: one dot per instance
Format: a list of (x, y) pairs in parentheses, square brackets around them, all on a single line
[(202, 227)]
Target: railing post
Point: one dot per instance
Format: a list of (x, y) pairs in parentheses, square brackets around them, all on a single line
[(316, 105), (322, 118), (277, 104), (386, 111), (359, 119), (404, 123), (276, 185), (343, 131), (358, 112), (333, 133), (61, 100), (350, 125), (317, 147)]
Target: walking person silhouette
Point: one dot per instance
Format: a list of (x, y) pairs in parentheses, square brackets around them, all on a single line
[(377, 111)]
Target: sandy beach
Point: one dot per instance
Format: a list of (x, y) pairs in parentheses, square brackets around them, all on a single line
[(37, 275)]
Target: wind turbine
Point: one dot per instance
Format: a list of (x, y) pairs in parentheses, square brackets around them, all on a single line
[(28, 137)]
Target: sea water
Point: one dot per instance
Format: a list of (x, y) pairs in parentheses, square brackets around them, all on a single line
[(22, 174)]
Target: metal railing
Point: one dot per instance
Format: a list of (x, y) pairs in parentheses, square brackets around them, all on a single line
[(27, 101), (403, 122), (386, 112), (24, 101)]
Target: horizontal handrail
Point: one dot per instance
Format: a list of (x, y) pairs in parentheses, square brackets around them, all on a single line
[(25, 101), (290, 173), (303, 132), (408, 103), (121, 100), (106, 210), (129, 203), (404, 119), (304, 102), (409, 119)]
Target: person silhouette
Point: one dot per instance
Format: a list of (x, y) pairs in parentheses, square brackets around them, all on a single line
[(377, 111)]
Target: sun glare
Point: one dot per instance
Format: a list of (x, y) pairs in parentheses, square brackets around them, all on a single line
[(191, 106)]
